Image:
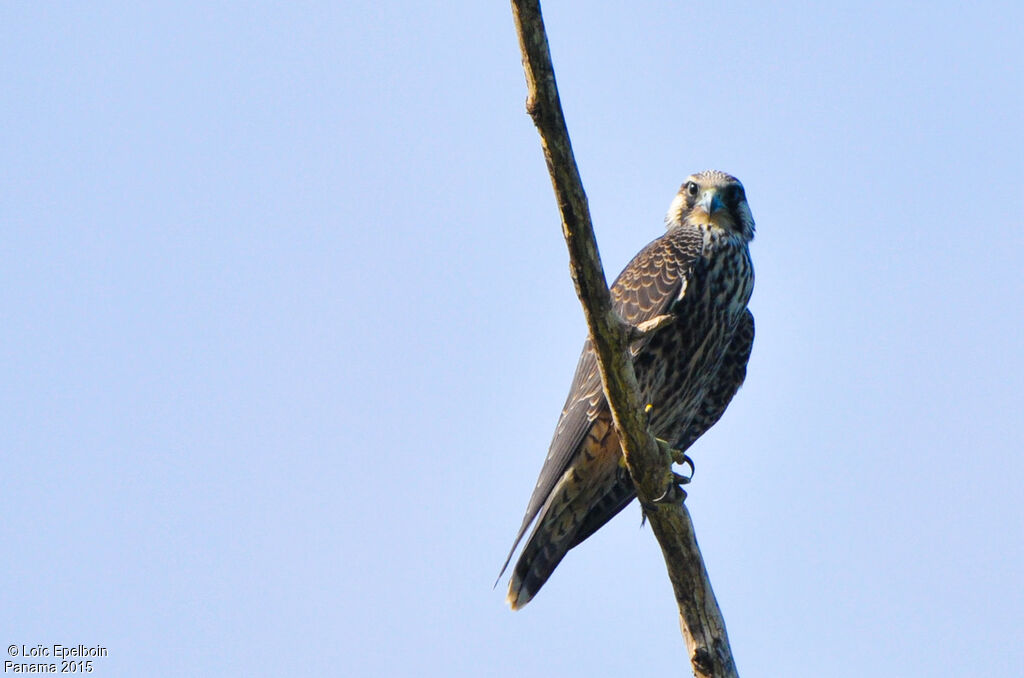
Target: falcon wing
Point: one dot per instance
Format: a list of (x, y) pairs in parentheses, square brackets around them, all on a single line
[(648, 287), (731, 374)]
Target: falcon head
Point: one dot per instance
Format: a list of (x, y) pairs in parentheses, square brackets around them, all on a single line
[(712, 200)]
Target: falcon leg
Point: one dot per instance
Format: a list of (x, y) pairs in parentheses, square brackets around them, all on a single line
[(674, 492)]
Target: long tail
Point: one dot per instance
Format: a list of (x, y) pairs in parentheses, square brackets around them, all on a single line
[(547, 545), (575, 511)]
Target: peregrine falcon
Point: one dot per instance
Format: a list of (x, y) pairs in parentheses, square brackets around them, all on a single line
[(698, 273)]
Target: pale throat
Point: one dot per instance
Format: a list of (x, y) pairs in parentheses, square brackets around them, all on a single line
[(721, 220)]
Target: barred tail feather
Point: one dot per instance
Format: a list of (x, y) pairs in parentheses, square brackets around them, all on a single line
[(542, 553), (576, 511)]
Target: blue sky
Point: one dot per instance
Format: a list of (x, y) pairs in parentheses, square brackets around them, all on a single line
[(287, 324)]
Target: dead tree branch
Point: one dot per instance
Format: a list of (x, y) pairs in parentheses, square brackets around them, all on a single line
[(700, 619)]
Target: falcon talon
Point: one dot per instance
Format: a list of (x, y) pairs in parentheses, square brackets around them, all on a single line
[(663, 499), (684, 460), (673, 494)]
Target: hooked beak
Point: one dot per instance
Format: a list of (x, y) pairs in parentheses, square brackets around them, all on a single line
[(710, 202)]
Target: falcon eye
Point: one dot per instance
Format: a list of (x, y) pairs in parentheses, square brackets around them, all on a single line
[(692, 189)]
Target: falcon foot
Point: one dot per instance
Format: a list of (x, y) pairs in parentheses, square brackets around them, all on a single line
[(674, 492), (678, 457)]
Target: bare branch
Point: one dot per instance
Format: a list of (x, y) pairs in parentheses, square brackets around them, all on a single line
[(700, 619)]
